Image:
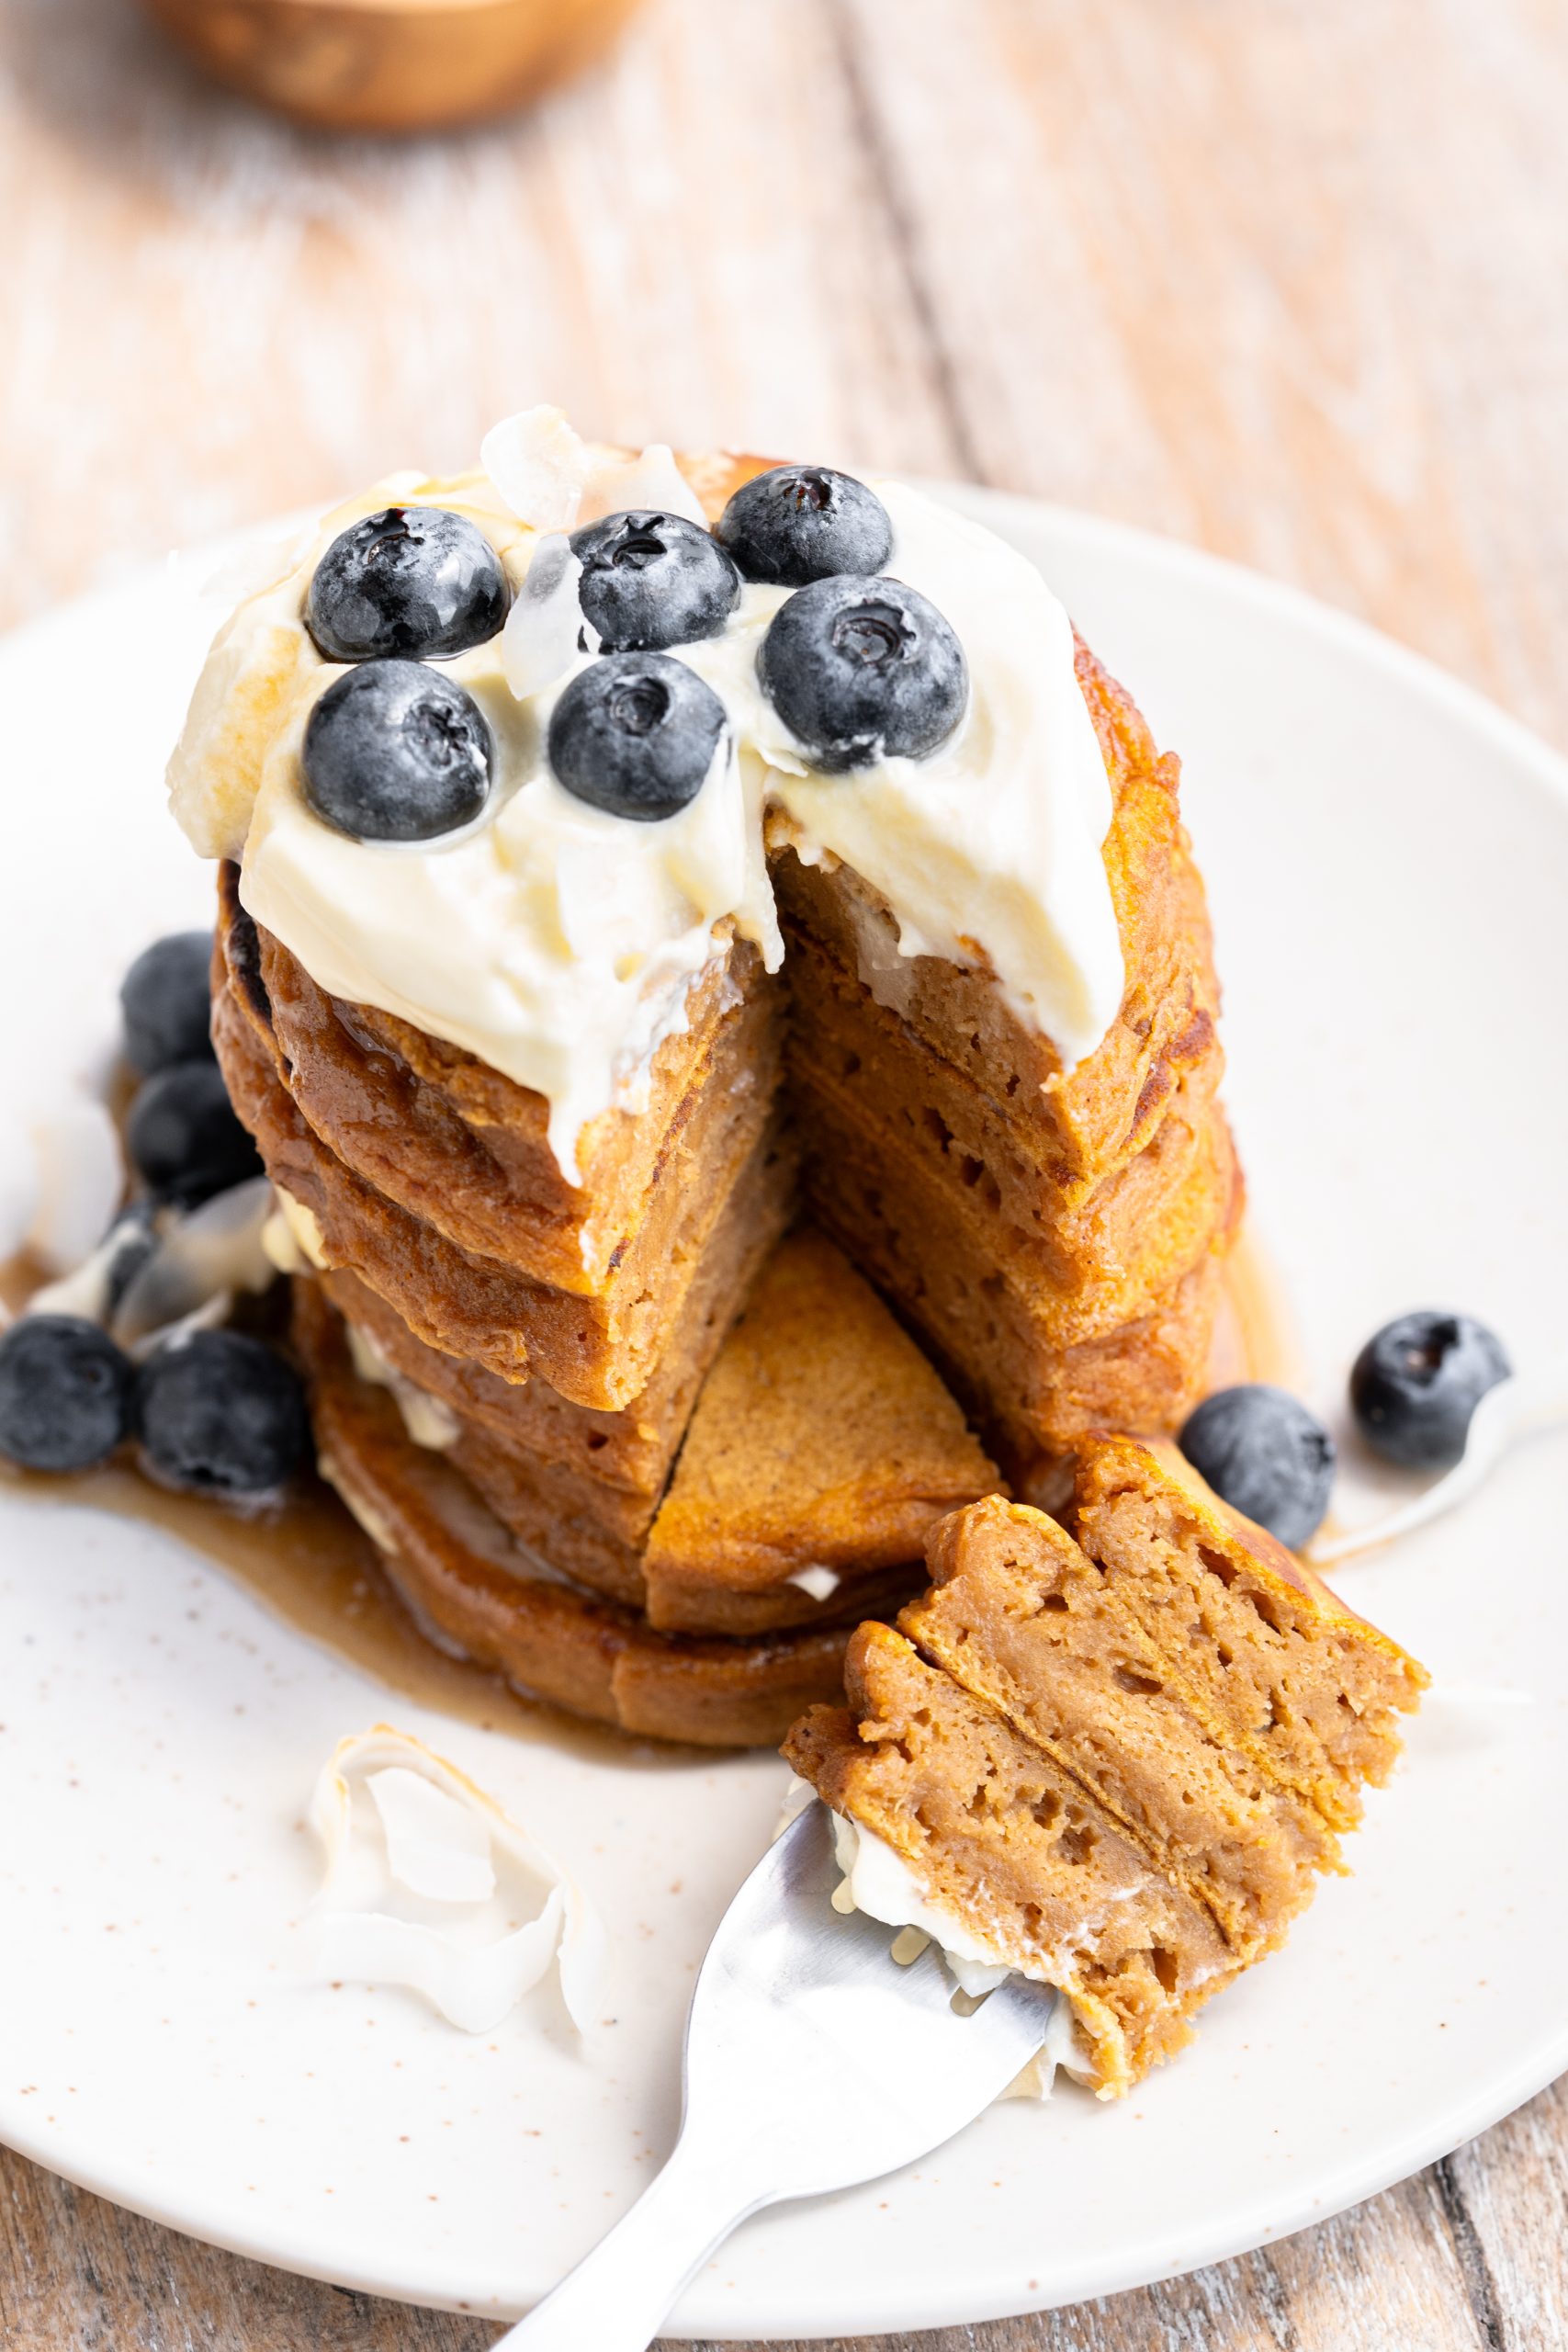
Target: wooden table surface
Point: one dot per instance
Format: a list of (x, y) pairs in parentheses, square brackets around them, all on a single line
[(1285, 277)]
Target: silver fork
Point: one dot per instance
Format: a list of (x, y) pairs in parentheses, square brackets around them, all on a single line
[(813, 2062)]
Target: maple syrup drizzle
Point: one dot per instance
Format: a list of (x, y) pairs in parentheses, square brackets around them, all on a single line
[(309, 1562)]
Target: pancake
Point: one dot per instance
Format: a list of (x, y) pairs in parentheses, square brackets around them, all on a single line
[(1115, 1763), (1269, 1658), (1017, 1852), (823, 1445), (475, 1589), (1018, 1615)]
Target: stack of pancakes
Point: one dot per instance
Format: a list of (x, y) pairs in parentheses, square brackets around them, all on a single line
[(1055, 1237), (488, 1427), (1117, 1761)]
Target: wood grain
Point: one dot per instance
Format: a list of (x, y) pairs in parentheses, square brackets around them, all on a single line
[(1286, 281), (1472, 2257)]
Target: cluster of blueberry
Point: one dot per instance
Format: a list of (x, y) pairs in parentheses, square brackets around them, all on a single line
[(214, 1411), (1413, 1390), (856, 665)]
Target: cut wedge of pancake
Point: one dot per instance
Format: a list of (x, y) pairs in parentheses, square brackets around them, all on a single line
[(823, 1445), (1210, 1709), (996, 1834), (1263, 1653), (477, 1591), (1018, 1615)]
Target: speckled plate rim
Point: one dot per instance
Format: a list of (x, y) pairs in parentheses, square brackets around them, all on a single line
[(784, 2299)]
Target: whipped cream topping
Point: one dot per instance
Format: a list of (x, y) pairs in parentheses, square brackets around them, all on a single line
[(560, 944)]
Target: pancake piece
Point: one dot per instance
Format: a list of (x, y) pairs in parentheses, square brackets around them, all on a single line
[(1030, 1392), (635, 1447), (823, 1443), (822, 1451), (1256, 1645), (1018, 1616), (1096, 1702), (993, 1832), (476, 1591)]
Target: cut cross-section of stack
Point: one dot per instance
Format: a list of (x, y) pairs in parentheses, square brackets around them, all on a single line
[(1056, 1237), (1117, 1763)]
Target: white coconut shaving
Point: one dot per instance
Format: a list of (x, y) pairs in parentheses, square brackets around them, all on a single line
[(550, 479), (649, 481), (539, 642), (202, 1259), (158, 1276), (80, 1182), (434, 1886), (91, 1288), (292, 1236), (539, 465)]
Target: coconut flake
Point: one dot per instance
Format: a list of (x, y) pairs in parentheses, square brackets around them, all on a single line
[(539, 465), (541, 636), (264, 559), (435, 1846), (201, 1260), (651, 481), (93, 1287), (432, 1901), (80, 1182), (292, 1236)]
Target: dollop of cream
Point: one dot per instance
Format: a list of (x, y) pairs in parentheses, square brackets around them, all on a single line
[(560, 944), (427, 1883)]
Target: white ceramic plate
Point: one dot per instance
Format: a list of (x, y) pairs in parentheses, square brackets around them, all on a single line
[(1389, 864)]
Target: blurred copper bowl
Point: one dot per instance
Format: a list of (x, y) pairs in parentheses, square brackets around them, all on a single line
[(392, 64)]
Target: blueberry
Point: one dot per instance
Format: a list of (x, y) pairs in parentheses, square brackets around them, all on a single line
[(653, 580), (1416, 1383), (166, 1002), (636, 734), (397, 752), (861, 669), (184, 1139), (221, 1413), (803, 523), (410, 580), (1263, 1452), (65, 1393)]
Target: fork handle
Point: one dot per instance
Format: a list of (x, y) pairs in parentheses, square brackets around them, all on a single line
[(625, 2286)]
